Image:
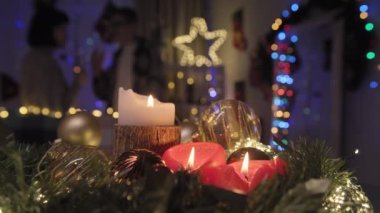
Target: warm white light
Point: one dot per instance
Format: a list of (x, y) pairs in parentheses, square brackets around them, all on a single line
[(23, 110), (278, 21), (274, 130), (199, 27), (194, 111), (275, 26), (245, 165), (4, 114), (150, 102), (190, 161), (356, 151), (171, 85), (109, 110), (180, 74), (208, 77), (45, 111), (36, 110), (115, 115), (190, 81), (279, 114), (96, 113), (58, 114), (72, 110)]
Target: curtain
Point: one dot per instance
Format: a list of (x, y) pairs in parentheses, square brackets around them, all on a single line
[(162, 20)]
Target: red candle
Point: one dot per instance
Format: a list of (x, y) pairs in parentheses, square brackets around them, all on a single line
[(193, 156), (242, 176)]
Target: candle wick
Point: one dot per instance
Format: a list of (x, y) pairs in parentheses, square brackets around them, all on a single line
[(189, 168), (246, 176)]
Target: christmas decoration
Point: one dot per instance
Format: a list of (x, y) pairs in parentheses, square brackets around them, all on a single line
[(279, 47), (58, 150), (254, 154), (199, 27), (347, 197), (308, 160), (134, 163), (314, 183), (35, 110), (231, 123), (194, 156), (188, 131), (3, 113), (199, 79), (76, 164), (241, 176), (80, 128)]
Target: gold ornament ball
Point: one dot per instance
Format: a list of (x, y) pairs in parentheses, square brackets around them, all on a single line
[(80, 128)]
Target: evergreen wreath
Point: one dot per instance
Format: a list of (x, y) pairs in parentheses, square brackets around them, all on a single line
[(314, 183)]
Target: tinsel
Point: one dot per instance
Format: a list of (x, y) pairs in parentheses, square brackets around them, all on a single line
[(315, 183)]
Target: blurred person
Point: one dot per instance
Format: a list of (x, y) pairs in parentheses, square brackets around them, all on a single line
[(135, 64), (43, 83)]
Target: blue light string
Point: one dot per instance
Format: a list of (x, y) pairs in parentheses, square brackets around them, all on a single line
[(283, 81)]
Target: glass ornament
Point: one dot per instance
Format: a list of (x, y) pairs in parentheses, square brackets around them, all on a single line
[(67, 165), (232, 124)]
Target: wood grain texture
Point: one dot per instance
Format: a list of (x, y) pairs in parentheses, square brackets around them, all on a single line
[(154, 138)]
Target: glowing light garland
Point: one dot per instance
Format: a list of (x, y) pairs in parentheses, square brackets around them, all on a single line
[(3, 113), (282, 53), (34, 110), (347, 197), (199, 27)]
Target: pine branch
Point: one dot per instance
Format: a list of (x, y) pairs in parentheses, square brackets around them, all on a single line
[(309, 164)]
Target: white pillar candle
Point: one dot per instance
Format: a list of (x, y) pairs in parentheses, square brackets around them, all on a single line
[(140, 110)]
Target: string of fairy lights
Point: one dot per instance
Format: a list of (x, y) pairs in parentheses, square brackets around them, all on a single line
[(199, 27), (282, 53), (197, 67), (37, 111)]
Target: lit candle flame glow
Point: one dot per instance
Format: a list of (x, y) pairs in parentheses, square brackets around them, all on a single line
[(245, 165), (150, 102), (190, 161)]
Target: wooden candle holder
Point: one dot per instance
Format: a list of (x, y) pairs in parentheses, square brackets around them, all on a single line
[(154, 138)]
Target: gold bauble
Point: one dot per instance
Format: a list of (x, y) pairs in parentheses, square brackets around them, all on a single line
[(80, 128)]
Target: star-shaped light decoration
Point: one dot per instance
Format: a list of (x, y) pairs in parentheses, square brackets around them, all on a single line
[(199, 27)]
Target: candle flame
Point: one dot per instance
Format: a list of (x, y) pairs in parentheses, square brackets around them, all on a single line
[(245, 165), (190, 161), (150, 102)]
